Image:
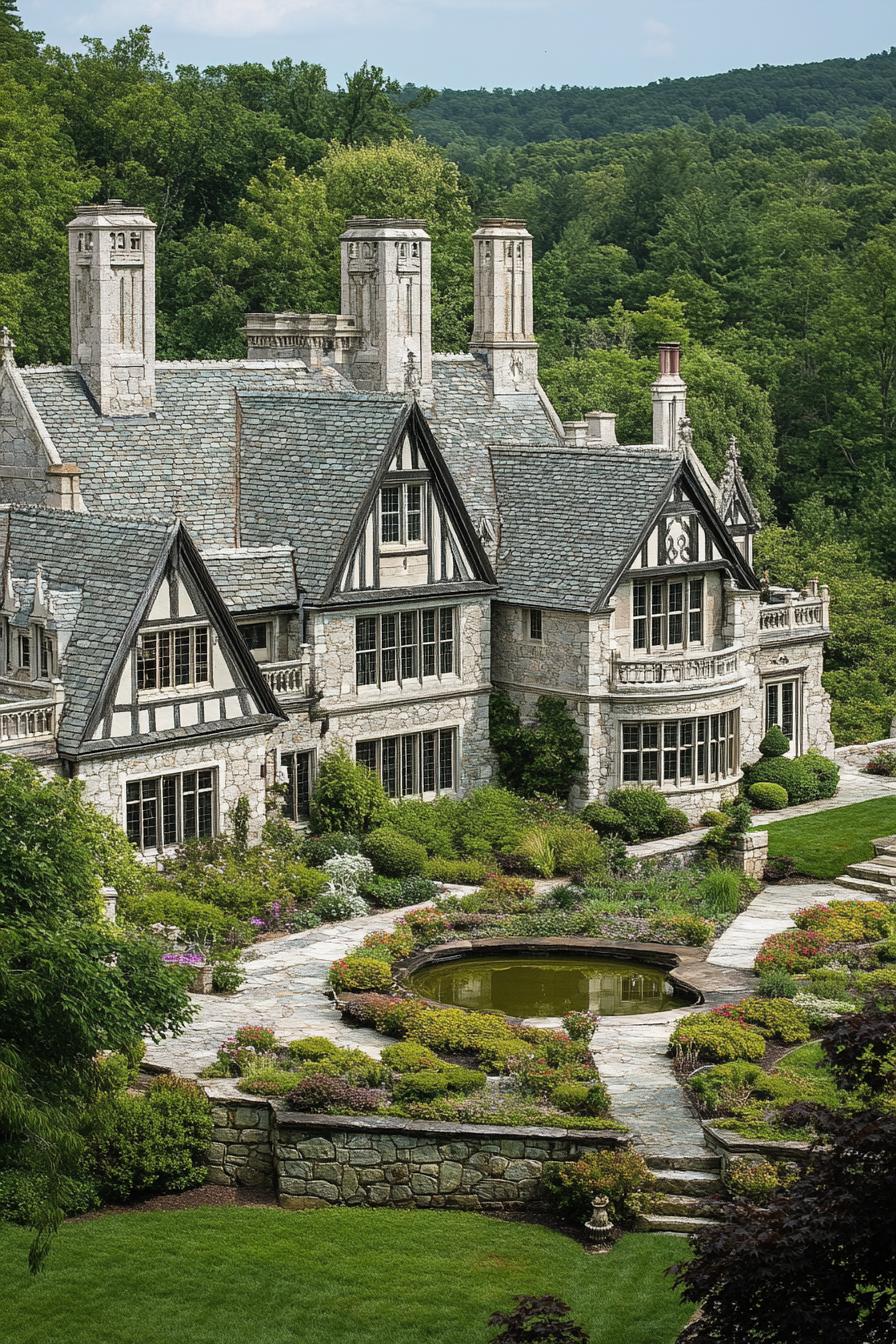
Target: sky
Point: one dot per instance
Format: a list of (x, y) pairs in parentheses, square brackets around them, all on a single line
[(487, 43)]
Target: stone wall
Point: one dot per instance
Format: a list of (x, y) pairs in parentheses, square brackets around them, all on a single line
[(239, 760), (314, 1160)]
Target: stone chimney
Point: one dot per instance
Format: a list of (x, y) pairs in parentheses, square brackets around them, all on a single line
[(502, 304), (575, 433), (669, 396), (387, 290), (601, 429), (111, 250)]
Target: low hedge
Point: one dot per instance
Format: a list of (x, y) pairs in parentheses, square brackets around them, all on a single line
[(715, 1039), (768, 795)]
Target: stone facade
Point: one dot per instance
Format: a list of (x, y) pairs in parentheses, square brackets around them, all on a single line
[(315, 1160)]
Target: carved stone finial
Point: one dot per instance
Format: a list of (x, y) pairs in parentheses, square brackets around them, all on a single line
[(7, 345), (411, 377), (685, 435), (733, 451)]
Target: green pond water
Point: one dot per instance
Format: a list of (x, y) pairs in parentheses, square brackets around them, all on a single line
[(526, 986)]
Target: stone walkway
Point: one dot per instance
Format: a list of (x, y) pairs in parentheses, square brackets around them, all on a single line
[(855, 787), (770, 912), (285, 989)]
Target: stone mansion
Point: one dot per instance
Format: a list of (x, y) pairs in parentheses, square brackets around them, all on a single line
[(213, 572)]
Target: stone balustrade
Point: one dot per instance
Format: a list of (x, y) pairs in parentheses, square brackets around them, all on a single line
[(23, 721), (790, 615), (290, 680), (661, 672)]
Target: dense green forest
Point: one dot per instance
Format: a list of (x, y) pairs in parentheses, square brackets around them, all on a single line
[(839, 92), (758, 229)]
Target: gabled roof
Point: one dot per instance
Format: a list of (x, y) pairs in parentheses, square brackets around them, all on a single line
[(115, 565), (571, 520)]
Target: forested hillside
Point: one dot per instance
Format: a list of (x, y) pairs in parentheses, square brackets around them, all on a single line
[(768, 249), (843, 92)]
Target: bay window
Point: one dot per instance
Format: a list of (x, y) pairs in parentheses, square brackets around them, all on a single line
[(681, 752)]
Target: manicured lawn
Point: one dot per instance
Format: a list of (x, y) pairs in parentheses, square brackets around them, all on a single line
[(824, 844), (334, 1276)]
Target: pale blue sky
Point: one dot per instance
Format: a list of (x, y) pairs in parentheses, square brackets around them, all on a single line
[(473, 43)]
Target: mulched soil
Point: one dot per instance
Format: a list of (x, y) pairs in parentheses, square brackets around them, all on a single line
[(204, 1196)]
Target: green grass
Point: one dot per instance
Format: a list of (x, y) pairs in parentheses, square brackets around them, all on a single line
[(824, 844), (807, 1060), (334, 1276)]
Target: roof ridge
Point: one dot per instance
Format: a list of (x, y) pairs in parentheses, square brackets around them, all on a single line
[(71, 515)]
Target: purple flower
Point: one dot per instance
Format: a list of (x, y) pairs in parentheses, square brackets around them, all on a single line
[(256, 922)]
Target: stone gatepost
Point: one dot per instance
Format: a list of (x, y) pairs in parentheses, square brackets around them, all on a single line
[(749, 853)]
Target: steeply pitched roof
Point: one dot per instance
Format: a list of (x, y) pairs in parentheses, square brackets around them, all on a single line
[(179, 460), (570, 517), (253, 578), (306, 464), (112, 563)]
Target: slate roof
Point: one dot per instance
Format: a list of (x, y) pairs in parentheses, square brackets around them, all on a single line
[(570, 517), (111, 563), (254, 578), (181, 459), (306, 464)]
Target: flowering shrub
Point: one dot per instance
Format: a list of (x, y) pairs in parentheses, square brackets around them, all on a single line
[(191, 959), (392, 946), (793, 950), (260, 1039), (581, 1026), (821, 1012), (358, 972), (325, 1095), (622, 1175), (716, 1039), (847, 921), (346, 871), (883, 762), (334, 904)]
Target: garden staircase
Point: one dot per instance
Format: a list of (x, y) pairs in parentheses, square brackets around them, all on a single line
[(874, 877), (685, 1190)]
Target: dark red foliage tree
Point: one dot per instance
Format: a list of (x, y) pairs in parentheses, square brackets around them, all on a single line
[(542, 1319)]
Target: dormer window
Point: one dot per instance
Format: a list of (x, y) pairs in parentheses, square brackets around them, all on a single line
[(167, 659), (47, 656), (401, 514), (23, 652)]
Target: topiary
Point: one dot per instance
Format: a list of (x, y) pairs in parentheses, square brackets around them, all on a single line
[(674, 822), (774, 743), (768, 795), (793, 776), (393, 854), (825, 772), (716, 1039), (608, 821)]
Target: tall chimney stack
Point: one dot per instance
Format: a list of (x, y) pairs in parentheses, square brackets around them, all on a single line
[(387, 289), (502, 304), (112, 252), (669, 393)]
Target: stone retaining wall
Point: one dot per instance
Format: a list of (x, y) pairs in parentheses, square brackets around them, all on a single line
[(748, 854), (314, 1160)]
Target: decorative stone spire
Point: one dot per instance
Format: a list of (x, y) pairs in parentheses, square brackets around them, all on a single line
[(685, 436), (411, 378), (7, 347), (40, 608)]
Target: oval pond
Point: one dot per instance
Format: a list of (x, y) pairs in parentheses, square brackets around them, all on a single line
[(548, 986)]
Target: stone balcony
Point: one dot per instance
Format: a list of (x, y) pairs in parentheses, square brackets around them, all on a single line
[(32, 718), (662, 673), (789, 614), (290, 680)]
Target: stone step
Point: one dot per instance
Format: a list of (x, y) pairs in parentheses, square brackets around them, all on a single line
[(684, 1162), (874, 870), (883, 891), (886, 845), (688, 1182), (683, 1206), (667, 1222)]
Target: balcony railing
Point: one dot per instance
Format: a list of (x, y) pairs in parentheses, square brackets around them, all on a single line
[(789, 614), (24, 721), (289, 680), (706, 669)]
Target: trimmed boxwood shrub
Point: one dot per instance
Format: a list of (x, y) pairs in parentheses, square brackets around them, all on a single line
[(409, 1057), (826, 773), (716, 1039), (768, 795), (153, 1143), (674, 822), (644, 809), (463, 872), (393, 854), (775, 743), (427, 1084), (608, 821), (795, 777)]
